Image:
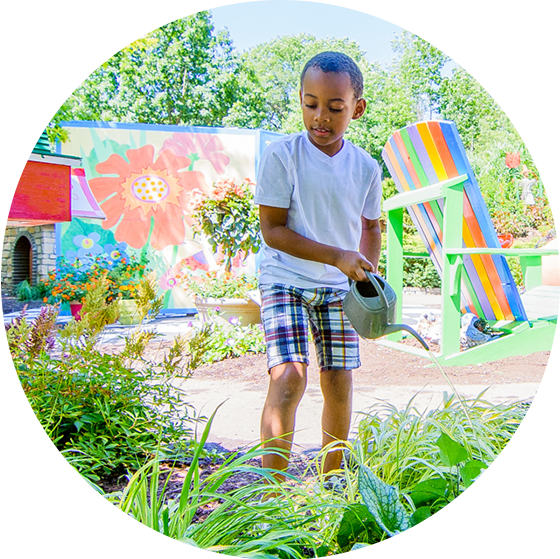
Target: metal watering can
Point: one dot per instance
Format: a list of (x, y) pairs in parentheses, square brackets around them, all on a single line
[(371, 308)]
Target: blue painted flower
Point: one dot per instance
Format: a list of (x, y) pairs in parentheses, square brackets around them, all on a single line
[(87, 246), (116, 253)]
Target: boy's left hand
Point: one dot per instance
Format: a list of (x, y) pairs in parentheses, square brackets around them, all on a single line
[(354, 264)]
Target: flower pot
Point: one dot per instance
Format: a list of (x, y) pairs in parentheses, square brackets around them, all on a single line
[(246, 310), (128, 312), (75, 308)]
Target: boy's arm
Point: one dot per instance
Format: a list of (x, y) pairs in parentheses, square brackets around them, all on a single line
[(278, 236), (370, 243)]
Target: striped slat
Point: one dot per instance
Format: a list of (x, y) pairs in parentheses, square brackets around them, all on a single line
[(430, 152)]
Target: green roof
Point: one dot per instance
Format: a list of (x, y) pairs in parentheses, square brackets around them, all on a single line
[(21, 129)]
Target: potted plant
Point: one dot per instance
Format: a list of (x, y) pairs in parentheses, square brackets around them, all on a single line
[(124, 277), (222, 295), (230, 220), (68, 283)]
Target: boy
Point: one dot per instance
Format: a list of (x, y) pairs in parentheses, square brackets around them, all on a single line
[(319, 199)]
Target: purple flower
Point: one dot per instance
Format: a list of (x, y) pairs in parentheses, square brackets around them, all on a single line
[(234, 320), (230, 342)]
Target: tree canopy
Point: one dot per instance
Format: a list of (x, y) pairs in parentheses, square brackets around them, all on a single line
[(189, 73)]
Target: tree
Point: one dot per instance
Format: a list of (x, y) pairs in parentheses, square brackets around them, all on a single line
[(417, 70), (182, 73), (465, 99), (270, 79), (32, 57)]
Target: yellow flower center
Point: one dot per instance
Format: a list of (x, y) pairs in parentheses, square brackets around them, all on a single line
[(150, 188)]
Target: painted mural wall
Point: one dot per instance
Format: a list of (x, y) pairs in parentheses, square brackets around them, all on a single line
[(147, 180)]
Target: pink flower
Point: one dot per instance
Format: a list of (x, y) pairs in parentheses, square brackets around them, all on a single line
[(204, 146), (169, 280), (543, 163), (513, 160)]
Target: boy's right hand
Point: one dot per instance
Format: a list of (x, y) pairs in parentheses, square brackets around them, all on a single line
[(354, 264)]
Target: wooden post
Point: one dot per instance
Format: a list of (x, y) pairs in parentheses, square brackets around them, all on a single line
[(395, 262), (453, 263)]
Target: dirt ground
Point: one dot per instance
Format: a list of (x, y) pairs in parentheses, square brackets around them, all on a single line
[(383, 365)]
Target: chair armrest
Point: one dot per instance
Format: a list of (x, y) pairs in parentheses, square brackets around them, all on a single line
[(530, 260), (421, 195)]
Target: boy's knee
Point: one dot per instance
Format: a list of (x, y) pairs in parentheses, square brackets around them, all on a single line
[(288, 381)]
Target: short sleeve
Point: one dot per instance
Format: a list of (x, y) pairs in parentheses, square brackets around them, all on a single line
[(274, 179), (372, 205)]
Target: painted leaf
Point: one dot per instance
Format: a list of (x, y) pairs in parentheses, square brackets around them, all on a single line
[(383, 503), (451, 452)]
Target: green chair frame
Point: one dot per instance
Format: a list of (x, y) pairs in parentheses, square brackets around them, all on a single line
[(522, 338)]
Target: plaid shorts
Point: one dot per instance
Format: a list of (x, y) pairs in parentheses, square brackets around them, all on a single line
[(286, 312)]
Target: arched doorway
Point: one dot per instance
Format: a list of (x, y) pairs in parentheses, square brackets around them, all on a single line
[(22, 262)]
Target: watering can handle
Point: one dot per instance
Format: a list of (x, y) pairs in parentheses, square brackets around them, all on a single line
[(374, 279)]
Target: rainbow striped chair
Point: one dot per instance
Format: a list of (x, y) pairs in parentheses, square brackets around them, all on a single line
[(430, 168)]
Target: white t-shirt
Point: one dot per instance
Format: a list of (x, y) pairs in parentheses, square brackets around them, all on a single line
[(325, 196)]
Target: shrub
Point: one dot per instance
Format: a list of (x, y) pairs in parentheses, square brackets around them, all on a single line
[(107, 412), (231, 340), (27, 292)]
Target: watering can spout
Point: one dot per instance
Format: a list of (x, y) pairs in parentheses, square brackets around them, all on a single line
[(392, 328), (371, 308)]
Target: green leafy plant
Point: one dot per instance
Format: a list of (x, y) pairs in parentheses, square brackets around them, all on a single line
[(231, 340), (27, 292), (106, 412), (217, 284), (230, 220), (70, 281), (481, 470), (50, 509)]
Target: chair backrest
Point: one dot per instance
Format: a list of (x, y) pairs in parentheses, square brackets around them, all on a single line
[(424, 154)]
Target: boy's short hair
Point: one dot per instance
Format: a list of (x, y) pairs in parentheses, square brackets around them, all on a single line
[(338, 62)]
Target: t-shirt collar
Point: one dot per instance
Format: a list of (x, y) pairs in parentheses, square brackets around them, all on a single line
[(320, 153)]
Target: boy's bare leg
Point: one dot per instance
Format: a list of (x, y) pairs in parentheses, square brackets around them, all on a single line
[(336, 385), (286, 388)]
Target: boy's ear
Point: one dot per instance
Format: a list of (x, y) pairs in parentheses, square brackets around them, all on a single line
[(359, 109), (300, 97)]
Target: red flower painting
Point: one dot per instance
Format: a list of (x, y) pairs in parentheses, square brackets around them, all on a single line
[(201, 146), (141, 192), (513, 160)]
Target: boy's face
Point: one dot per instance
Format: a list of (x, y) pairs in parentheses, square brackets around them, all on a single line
[(329, 104)]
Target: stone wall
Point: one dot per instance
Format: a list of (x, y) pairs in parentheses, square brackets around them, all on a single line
[(43, 243)]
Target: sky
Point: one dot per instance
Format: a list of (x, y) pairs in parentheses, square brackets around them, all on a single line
[(373, 24)]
